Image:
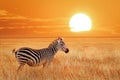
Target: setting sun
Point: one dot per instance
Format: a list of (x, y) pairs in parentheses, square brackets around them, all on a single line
[(80, 22)]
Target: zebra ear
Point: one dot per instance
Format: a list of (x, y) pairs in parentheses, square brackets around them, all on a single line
[(60, 38)]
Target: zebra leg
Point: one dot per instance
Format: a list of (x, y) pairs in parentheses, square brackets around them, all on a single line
[(44, 64), (20, 67), (47, 63)]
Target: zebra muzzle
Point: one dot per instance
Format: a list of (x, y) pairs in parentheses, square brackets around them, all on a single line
[(67, 50)]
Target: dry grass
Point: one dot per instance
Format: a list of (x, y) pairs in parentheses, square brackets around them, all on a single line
[(92, 59)]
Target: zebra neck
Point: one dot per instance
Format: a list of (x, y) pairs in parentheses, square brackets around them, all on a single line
[(54, 50)]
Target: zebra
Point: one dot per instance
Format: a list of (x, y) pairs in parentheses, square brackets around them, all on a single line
[(35, 57)]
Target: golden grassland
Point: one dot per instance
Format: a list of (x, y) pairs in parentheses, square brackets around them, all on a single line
[(88, 59)]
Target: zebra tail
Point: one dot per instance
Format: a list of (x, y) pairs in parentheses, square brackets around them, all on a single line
[(13, 51)]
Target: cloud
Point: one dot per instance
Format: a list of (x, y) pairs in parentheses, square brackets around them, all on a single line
[(13, 17), (8, 15), (1, 28), (3, 12), (116, 32), (50, 19), (21, 22), (16, 24)]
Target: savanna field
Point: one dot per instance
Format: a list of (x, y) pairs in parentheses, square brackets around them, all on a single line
[(88, 59)]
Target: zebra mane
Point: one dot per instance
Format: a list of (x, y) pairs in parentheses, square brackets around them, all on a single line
[(53, 43)]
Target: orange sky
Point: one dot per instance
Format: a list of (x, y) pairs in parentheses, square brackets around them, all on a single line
[(49, 18)]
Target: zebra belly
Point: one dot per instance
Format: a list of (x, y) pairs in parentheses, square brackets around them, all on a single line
[(37, 64)]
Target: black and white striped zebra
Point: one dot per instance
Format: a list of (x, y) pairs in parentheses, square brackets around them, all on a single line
[(34, 57)]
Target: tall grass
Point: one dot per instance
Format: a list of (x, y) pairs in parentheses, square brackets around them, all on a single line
[(87, 60)]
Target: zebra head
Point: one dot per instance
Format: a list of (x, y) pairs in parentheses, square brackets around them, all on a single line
[(61, 45)]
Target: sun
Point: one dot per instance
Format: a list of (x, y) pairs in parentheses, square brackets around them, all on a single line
[(80, 22)]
